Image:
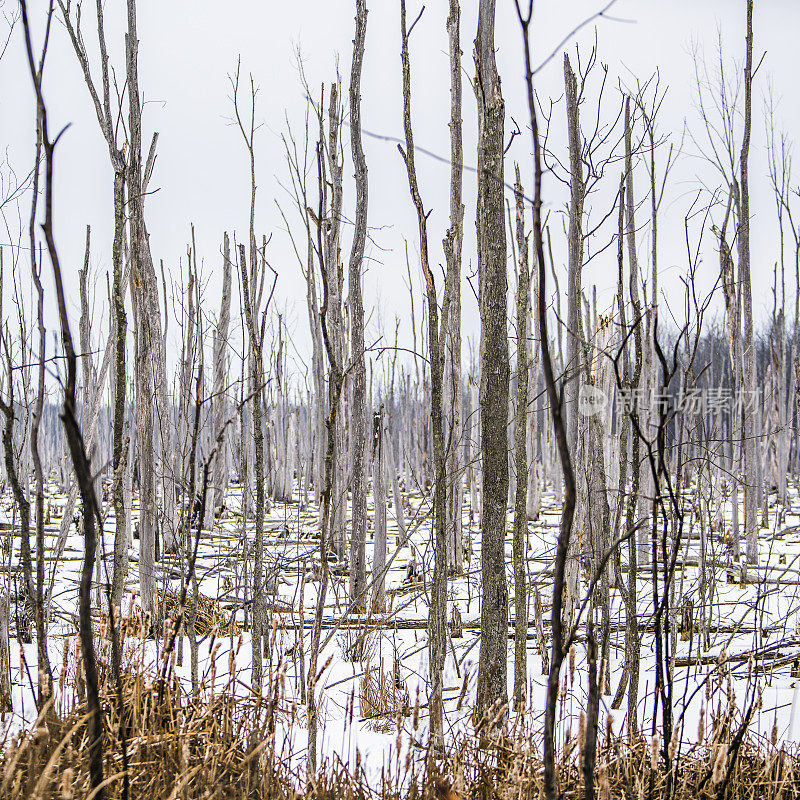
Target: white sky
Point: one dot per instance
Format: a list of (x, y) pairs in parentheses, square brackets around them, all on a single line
[(188, 48)]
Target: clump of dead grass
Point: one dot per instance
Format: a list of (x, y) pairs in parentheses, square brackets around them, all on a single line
[(381, 699)]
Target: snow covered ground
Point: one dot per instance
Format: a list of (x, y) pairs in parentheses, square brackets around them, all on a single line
[(760, 617)]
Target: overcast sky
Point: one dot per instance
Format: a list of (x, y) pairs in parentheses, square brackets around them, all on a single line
[(189, 48)]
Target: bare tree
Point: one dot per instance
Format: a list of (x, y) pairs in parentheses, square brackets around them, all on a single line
[(437, 611), (72, 430), (45, 674), (220, 366), (27, 591), (379, 441), (108, 120), (452, 245), (748, 347), (732, 163), (568, 511), (150, 365), (577, 187), (521, 456), (358, 408), (325, 209), (252, 273), (494, 381)]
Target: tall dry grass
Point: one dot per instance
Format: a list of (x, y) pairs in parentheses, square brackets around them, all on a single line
[(222, 743)]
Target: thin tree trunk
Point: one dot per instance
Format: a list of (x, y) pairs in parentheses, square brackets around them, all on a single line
[(255, 338), (748, 346), (574, 332), (358, 410), (559, 429), (88, 389), (150, 361), (120, 330), (75, 442), (335, 381), (220, 397), (631, 619), (45, 674), (26, 612), (6, 697), (379, 499), (437, 611), (521, 458), (452, 245)]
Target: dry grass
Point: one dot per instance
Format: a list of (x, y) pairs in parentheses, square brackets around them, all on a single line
[(176, 747), (381, 699), (220, 746)]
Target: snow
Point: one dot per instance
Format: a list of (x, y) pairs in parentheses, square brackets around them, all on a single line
[(760, 616)]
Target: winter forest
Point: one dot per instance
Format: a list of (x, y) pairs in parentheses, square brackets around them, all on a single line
[(451, 453)]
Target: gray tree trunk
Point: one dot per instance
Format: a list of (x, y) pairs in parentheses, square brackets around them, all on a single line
[(521, 458), (452, 244), (219, 401), (358, 410), (437, 611), (379, 499), (574, 333), (150, 368), (6, 697), (88, 391), (748, 345), (494, 382), (119, 387)]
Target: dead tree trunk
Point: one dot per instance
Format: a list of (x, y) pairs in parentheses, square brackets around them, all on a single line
[(638, 470), (219, 401), (255, 339), (106, 117), (334, 277), (335, 381), (88, 386), (358, 410), (45, 674), (452, 244), (26, 612), (120, 381), (494, 380), (6, 696), (574, 332), (521, 458), (74, 438), (559, 428), (437, 611), (748, 346), (150, 370), (379, 500)]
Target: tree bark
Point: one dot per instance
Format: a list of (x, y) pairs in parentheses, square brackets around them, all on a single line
[(637, 468), (379, 499), (6, 696), (45, 673), (437, 611), (120, 385), (255, 338), (220, 396), (494, 379), (574, 331), (358, 409), (150, 372), (521, 458), (748, 346), (452, 245)]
